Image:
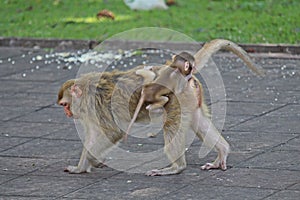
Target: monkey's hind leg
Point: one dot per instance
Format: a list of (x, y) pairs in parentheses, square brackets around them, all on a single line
[(177, 167), (175, 151), (162, 100), (210, 136)]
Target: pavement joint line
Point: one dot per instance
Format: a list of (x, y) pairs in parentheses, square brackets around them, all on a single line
[(267, 150), (257, 116), (267, 168), (33, 157), (287, 188), (25, 196), (17, 145), (44, 107), (19, 176), (270, 195), (27, 113), (77, 189), (32, 139), (44, 137), (237, 186), (248, 131), (177, 190)]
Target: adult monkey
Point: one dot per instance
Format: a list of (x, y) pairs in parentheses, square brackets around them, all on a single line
[(102, 131)]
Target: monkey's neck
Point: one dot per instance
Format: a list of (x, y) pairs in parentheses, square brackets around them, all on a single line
[(188, 77)]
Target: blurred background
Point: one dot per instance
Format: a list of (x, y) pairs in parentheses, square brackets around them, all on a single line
[(243, 21)]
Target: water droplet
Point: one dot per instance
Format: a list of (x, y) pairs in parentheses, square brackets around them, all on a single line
[(58, 67), (37, 67), (23, 75), (70, 67), (13, 62), (125, 65)]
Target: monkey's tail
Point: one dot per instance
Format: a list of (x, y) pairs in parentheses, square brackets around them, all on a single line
[(213, 46), (136, 112)]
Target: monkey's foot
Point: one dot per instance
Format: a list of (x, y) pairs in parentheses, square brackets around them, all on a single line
[(154, 109), (77, 170), (216, 165)]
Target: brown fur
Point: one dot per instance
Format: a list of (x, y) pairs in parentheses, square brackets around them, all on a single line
[(185, 111)]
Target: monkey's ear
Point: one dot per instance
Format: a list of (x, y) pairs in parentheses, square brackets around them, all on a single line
[(76, 91), (173, 57), (186, 66)]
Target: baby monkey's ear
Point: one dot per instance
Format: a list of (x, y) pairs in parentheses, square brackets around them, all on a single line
[(173, 57), (186, 66)]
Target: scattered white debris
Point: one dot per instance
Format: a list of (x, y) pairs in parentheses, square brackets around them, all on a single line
[(39, 57)]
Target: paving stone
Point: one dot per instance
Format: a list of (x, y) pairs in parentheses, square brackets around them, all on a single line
[(10, 142), (31, 130), (284, 124), (56, 169), (254, 178), (11, 112), (127, 189), (218, 193), (285, 195), (37, 141), (291, 145), (40, 186), (54, 115), (5, 178), (11, 165), (275, 160), (28, 100), (45, 148)]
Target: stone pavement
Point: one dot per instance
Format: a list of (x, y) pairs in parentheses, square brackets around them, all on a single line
[(37, 141)]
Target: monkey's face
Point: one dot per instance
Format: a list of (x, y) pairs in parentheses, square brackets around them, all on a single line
[(66, 100)]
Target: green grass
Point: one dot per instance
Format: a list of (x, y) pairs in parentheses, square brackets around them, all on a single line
[(245, 21)]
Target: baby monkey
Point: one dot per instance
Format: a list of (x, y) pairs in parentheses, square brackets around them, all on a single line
[(171, 78)]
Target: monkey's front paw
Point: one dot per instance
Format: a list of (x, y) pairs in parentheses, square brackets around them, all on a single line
[(76, 170), (154, 172)]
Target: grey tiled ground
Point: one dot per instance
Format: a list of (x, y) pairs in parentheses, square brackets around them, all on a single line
[(37, 141)]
